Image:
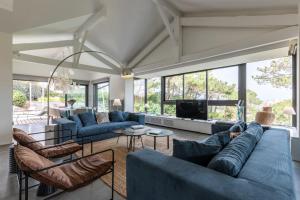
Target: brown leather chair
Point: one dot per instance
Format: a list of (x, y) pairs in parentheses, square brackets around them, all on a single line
[(51, 151), (66, 176)]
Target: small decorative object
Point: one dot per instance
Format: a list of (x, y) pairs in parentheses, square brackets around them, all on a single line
[(117, 103), (240, 111), (71, 102), (289, 111), (265, 117), (135, 127), (146, 106)]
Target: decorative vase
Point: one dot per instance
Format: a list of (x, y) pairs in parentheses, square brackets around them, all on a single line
[(71, 102), (240, 113), (265, 117)]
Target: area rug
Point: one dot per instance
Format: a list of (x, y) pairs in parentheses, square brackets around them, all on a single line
[(121, 152)]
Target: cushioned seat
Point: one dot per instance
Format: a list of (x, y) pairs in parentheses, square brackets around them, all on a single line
[(270, 162), (56, 151), (66, 177)]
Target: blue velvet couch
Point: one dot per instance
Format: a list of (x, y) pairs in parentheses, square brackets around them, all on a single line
[(95, 132), (267, 174)]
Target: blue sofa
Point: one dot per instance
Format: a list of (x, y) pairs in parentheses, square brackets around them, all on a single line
[(95, 132), (267, 174)]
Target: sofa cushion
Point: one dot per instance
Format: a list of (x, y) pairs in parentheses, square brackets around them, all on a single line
[(105, 128), (270, 162), (87, 119), (102, 117), (239, 126), (196, 151), (126, 116), (76, 119), (116, 116), (224, 137), (26, 140), (255, 129), (232, 158)]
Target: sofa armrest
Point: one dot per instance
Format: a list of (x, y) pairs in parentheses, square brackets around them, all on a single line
[(69, 129), (152, 176), (140, 118)]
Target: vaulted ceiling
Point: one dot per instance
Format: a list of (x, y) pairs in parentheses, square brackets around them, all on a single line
[(127, 27)]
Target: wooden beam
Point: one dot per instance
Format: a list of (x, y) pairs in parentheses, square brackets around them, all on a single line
[(167, 23), (149, 48), (168, 7), (48, 61), (41, 45), (242, 21), (103, 60), (93, 20)]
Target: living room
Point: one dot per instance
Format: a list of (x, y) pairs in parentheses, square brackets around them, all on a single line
[(149, 99)]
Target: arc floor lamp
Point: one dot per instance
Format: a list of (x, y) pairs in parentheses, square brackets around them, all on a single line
[(124, 74)]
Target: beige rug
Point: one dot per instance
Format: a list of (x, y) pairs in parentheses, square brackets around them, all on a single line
[(121, 152)]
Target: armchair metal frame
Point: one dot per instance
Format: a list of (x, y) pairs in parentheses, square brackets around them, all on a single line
[(27, 175)]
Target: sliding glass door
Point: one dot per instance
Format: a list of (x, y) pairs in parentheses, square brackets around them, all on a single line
[(102, 96)]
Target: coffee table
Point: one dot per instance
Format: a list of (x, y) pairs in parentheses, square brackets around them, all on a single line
[(162, 133), (132, 134)]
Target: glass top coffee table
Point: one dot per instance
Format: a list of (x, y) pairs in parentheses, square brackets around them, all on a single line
[(132, 134), (155, 133)]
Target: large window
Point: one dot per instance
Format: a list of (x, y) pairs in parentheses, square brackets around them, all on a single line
[(79, 93), (154, 95), (139, 95), (195, 85), (102, 96), (269, 83), (174, 87)]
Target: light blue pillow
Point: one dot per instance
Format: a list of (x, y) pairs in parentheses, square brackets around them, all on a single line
[(255, 129), (76, 119), (232, 158)]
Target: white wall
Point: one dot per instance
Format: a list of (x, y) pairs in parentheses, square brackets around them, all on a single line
[(117, 87), (5, 88), (129, 95)]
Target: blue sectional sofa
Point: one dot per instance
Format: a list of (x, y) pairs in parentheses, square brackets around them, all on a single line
[(84, 127), (267, 174)]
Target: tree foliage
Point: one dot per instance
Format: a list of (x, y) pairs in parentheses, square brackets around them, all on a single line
[(278, 73), (19, 98)]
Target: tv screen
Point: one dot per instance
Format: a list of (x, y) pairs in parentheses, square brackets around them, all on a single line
[(193, 109)]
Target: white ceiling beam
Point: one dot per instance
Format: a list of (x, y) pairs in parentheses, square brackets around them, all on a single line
[(166, 21), (171, 9), (78, 46), (42, 45), (226, 51), (102, 59), (92, 21), (149, 48), (242, 21), (48, 61)]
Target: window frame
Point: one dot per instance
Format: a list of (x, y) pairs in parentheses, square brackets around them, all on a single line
[(95, 96)]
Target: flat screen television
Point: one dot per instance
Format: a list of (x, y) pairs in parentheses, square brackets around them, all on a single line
[(193, 109)]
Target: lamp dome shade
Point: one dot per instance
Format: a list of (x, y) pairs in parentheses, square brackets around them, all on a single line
[(117, 102)]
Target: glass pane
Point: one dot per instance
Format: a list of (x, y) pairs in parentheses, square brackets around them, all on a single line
[(195, 85), (139, 95), (103, 97), (170, 110), (227, 113), (153, 95), (269, 83), (79, 94), (174, 87), (30, 101), (223, 84)]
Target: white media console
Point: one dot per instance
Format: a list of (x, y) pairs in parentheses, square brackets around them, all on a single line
[(200, 126)]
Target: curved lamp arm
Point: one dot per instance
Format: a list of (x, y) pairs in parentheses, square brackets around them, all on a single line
[(59, 64)]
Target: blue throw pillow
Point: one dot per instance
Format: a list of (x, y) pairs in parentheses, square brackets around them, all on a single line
[(232, 158), (87, 118), (239, 126), (116, 116), (126, 116), (196, 151), (255, 129), (77, 120), (224, 137)]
